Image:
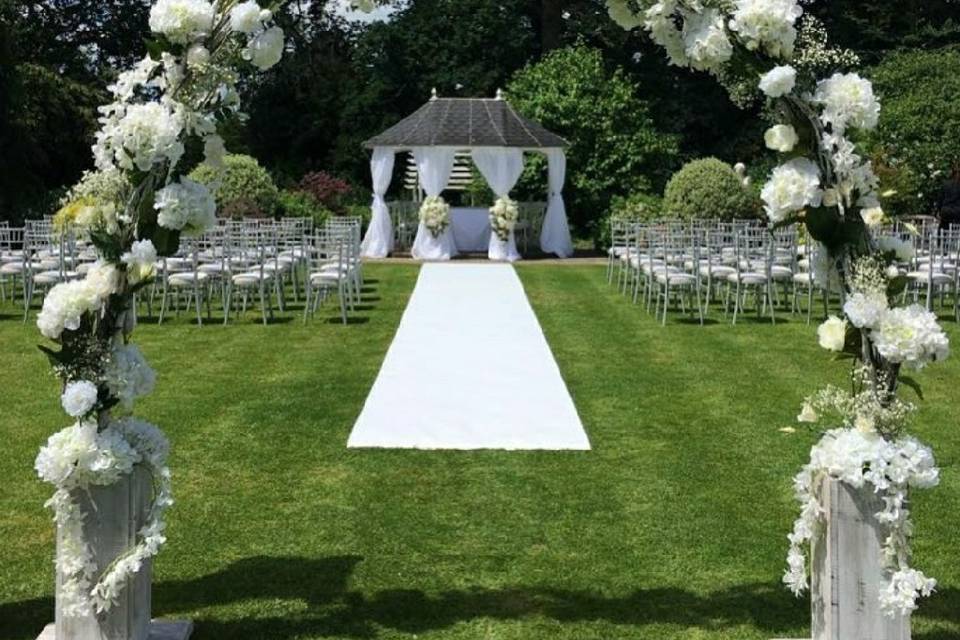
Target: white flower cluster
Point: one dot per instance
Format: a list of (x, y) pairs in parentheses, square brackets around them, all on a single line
[(435, 215), (64, 307), (182, 21), (186, 206), (128, 375), (265, 45), (781, 137), (847, 101), (767, 25), (79, 398), (791, 187), (779, 81), (891, 469), (910, 336), (78, 458), (503, 217), (141, 261)]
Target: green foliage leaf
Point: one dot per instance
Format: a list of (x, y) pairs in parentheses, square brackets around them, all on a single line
[(907, 381)]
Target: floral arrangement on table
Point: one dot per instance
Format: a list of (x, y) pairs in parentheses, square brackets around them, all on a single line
[(133, 210), (435, 215), (503, 217), (762, 49)]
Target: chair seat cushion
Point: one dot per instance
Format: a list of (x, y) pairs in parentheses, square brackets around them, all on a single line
[(749, 277), (675, 278), (187, 277), (937, 277)]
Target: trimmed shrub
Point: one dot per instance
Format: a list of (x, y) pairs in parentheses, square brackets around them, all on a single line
[(243, 179), (711, 189), (636, 207), (300, 204)]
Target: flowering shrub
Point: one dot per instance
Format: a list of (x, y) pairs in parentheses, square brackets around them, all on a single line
[(708, 188), (133, 209), (328, 190), (241, 180), (824, 184)]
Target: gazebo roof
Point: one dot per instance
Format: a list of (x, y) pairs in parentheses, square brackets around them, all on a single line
[(467, 123)]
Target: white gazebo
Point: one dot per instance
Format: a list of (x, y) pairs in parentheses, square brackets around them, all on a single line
[(496, 138)]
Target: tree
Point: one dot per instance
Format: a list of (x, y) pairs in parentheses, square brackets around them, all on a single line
[(615, 149), (917, 140)]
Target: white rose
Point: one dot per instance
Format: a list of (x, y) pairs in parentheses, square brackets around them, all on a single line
[(833, 334), (265, 49), (79, 398), (245, 17), (779, 81), (781, 137), (872, 217)]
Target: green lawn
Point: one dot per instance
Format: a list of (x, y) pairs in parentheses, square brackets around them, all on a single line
[(672, 527)]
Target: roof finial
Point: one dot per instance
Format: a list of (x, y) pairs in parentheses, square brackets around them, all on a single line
[(499, 94), (433, 93)]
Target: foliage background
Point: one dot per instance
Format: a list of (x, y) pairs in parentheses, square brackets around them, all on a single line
[(342, 81)]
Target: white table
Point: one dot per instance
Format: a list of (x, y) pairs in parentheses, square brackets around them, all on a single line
[(471, 228)]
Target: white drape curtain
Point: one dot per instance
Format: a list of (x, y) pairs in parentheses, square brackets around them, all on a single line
[(434, 164), (555, 235), (501, 168), (378, 243)]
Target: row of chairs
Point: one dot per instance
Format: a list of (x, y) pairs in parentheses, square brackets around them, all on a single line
[(237, 264), (697, 266)]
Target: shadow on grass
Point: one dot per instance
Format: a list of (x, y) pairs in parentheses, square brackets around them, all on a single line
[(327, 606)]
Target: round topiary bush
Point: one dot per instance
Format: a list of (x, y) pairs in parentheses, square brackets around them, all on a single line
[(711, 189), (241, 180)]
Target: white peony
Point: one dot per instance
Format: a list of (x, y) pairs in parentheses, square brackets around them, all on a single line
[(872, 216), (847, 101), (902, 249), (265, 49), (245, 17), (791, 187), (911, 336), (64, 306), (186, 206), (182, 21), (781, 137), (768, 25), (128, 375), (102, 279), (141, 261), (705, 40), (79, 398), (832, 334), (865, 310), (779, 81)]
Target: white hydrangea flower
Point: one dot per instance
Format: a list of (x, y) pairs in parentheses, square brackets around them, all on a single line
[(79, 398), (621, 13), (781, 137), (847, 101), (103, 279), (832, 334), (767, 25), (791, 187), (128, 375), (143, 136), (186, 206), (265, 49), (779, 81), (79, 456), (141, 261), (705, 40), (182, 21), (911, 336), (865, 311), (64, 306), (245, 17), (906, 586), (903, 249)]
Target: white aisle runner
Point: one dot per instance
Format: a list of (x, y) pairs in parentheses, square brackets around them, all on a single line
[(469, 368)]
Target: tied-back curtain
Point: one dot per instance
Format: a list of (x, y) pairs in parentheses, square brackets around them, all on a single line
[(434, 166), (555, 235), (378, 243), (501, 168)]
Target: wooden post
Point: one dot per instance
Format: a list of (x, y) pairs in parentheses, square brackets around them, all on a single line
[(113, 516), (847, 571)]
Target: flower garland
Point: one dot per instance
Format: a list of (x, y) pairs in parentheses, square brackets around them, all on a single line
[(133, 210), (768, 50), (435, 215), (503, 217)]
